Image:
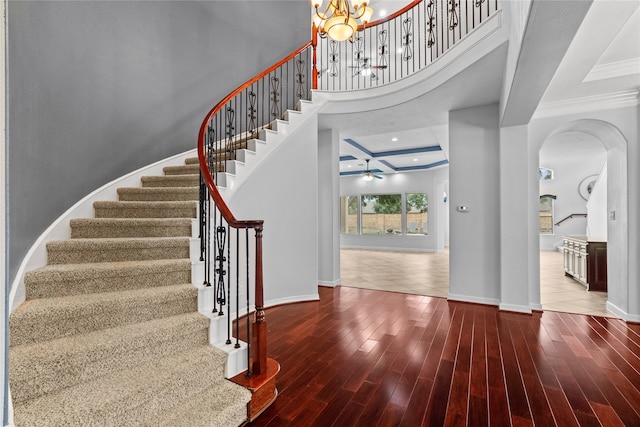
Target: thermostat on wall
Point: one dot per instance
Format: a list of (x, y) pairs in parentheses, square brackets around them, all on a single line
[(462, 208)]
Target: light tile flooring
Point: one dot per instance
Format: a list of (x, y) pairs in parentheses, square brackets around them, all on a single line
[(428, 274)]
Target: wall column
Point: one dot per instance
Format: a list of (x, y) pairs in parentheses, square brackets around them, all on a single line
[(474, 180), (516, 206), (328, 208)]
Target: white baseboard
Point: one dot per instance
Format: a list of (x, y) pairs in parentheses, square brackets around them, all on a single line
[(332, 284), (622, 314), (525, 309), (475, 300)]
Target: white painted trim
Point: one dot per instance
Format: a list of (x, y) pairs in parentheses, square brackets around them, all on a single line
[(525, 309), (622, 68), (475, 300), (621, 313), (60, 229), (536, 307), (587, 104), (392, 249), (289, 300), (331, 284)]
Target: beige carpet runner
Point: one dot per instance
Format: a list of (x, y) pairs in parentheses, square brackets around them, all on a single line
[(110, 334)]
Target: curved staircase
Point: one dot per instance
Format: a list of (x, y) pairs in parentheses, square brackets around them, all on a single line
[(110, 332)]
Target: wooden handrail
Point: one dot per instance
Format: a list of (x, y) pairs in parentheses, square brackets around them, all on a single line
[(258, 341), (569, 217), (208, 179)]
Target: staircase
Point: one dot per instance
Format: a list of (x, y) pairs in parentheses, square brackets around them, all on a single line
[(110, 332)]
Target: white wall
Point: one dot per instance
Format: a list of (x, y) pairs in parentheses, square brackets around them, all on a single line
[(328, 208), (474, 181), (597, 208), (284, 193), (429, 181), (571, 164)]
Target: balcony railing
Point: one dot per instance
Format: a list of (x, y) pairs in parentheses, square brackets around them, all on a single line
[(399, 45)]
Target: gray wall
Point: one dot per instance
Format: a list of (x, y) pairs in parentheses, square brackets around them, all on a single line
[(97, 89)]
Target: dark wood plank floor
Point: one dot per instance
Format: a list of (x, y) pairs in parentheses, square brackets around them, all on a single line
[(372, 358)]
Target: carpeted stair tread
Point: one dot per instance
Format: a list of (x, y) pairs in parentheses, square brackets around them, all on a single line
[(76, 251), (173, 209), (130, 396), (50, 366), (223, 405), (181, 170), (59, 280), (130, 227), (158, 194), (189, 180), (50, 318)]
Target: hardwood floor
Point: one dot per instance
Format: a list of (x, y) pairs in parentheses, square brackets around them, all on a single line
[(359, 357)]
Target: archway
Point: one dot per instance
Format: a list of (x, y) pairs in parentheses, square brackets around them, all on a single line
[(615, 145)]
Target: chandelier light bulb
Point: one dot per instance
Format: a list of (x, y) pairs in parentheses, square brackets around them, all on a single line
[(341, 19)]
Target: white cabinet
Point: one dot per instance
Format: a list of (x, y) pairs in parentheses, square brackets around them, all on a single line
[(586, 261)]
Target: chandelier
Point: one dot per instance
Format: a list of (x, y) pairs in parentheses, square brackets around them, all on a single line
[(340, 19)]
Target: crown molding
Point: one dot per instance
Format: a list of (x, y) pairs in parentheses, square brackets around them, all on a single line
[(609, 101), (614, 69)]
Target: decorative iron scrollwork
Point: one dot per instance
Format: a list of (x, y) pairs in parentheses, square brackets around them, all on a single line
[(407, 39), (252, 113), (211, 146), (230, 127), (275, 97), (453, 14), (333, 58), (383, 48), (431, 23), (479, 3), (300, 92), (221, 243)]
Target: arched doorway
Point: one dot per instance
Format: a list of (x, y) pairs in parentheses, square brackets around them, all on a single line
[(591, 132)]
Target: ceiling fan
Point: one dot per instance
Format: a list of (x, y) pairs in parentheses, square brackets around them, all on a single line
[(369, 175), (364, 68)]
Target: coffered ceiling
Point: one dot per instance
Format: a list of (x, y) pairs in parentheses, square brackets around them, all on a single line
[(600, 70)]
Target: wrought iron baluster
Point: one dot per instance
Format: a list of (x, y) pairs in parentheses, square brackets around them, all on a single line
[(248, 316), (253, 126), (300, 90), (407, 39), (221, 241), (333, 58), (237, 345), (275, 97), (230, 129), (453, 16), (431, 24), (228, 295)]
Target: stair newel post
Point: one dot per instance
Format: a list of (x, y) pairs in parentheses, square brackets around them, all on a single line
[(314, 45), (259, 346)]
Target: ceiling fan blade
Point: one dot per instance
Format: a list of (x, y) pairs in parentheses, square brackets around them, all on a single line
[(377, 176)]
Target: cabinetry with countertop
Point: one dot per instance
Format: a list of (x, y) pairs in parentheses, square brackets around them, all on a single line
[(585, 259)]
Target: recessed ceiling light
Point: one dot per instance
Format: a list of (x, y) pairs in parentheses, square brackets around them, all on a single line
[(394, 139), (348, 166), (415, 160), (383, 12)]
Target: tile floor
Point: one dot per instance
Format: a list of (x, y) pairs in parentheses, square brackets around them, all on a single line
[(428, 274)]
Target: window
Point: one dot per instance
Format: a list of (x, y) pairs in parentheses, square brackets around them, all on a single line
[(546, 214), (349, 214), (545, 174), (382, 214), (417, 206)]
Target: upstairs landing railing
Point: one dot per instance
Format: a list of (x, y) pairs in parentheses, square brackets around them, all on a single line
[(384, 51), (400, 44), (232, 125)]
